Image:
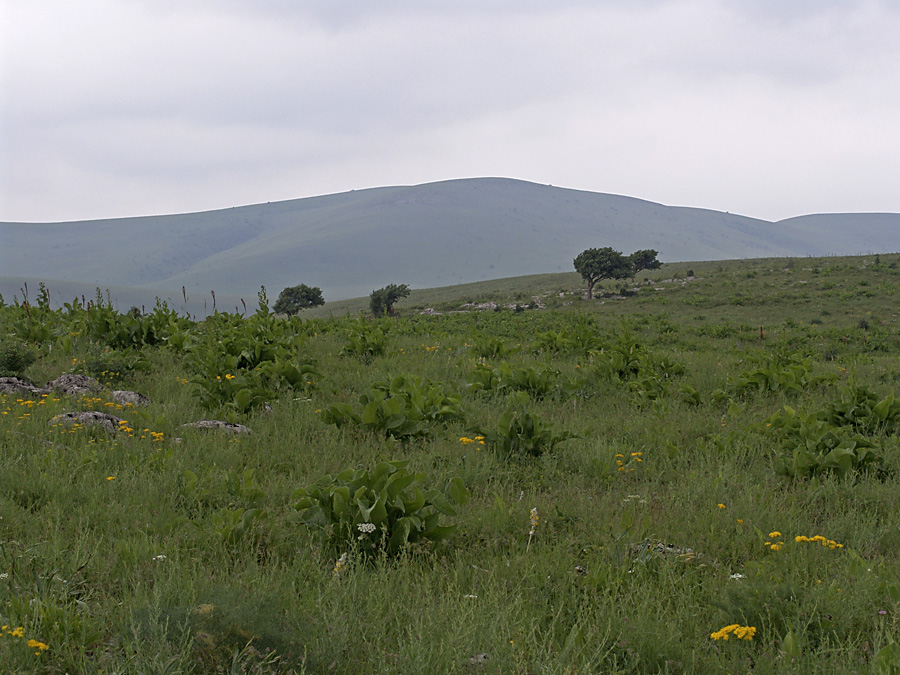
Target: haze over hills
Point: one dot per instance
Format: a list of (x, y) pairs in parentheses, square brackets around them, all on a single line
[(435, 234)]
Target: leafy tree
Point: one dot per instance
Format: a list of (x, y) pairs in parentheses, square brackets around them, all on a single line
[(295, 298), (382, 301), (596, 264), (644, 260)]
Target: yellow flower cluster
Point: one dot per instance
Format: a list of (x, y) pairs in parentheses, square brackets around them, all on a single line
[(735, 629), (465, 440), (20, 633), (828, 543), (633, 457), (92, 401), (776, 545)]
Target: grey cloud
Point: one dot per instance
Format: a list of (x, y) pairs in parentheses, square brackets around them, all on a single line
[(211, 102)]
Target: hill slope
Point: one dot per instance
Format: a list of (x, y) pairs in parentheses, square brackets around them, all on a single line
[(427, 235)]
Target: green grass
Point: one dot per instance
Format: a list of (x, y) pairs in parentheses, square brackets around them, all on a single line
[(119, 562)]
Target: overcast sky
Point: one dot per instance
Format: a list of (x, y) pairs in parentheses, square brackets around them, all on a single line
[(768, 108)]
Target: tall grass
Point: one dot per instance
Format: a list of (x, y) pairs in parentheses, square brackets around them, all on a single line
[(130, 552)]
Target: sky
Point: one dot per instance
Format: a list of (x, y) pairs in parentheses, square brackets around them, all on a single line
[(767, 108)]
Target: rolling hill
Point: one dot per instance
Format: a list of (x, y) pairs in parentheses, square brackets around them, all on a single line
[(429, 235)]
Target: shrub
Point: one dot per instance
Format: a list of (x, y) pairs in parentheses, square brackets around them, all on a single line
[(296, 298), (381, 510), (521, 432), (110, 366), (399, 408), (15, 356), (382, 301), (811, 446)]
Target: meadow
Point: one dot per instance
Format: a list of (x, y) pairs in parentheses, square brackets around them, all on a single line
[(695, 472)]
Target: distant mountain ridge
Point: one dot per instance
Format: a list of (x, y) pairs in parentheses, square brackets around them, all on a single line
[(434, 234)]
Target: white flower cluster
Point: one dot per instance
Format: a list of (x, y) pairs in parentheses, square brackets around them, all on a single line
[(366, 528)]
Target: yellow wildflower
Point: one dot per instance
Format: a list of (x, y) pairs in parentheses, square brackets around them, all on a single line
[(739, 631)]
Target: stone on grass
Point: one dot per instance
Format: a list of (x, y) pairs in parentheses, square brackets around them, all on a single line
[(130, 397), (230, 427), (13, 385), (73, 384), (106, 421)]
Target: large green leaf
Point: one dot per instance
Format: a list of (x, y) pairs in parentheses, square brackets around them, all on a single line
[(398, 484), (340, 503), (459, 493)]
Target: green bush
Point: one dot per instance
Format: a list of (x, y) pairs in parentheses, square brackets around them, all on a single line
[(111, 366), (400, 408), (538, 381), (365, 342), (811, 446), (381, 510), (520, 432), (790, 374), (15, 356)]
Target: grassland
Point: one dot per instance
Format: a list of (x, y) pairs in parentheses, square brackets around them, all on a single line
[(713, 445)]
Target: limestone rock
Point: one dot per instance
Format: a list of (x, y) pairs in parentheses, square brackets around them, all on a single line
[(217, 425), (13, 385), (110, 423), (73, 384), (134, 398)]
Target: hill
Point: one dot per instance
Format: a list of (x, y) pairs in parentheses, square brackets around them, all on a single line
[(436, 234)]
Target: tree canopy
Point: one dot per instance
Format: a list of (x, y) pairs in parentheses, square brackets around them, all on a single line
[(294, 298), (381, 302), (644, 259), (596, 264)]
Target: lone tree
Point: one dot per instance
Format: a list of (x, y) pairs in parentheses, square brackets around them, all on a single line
[(596, 264), (382, 301), (644, 260), (295, 298)]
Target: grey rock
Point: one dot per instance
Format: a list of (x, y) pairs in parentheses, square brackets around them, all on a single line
[(73, 384), (110, 423), (134, 398), (13, 385), (217, 425)]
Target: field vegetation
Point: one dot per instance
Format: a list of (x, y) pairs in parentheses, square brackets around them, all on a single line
[(692, 472)]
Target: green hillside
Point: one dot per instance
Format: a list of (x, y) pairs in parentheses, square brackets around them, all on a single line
[(437, 234)]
